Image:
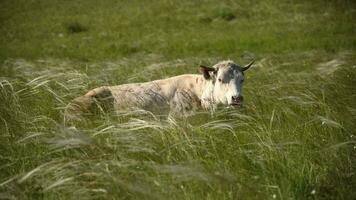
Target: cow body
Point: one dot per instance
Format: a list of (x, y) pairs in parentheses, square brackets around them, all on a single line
[(179, 94), (175, 92)]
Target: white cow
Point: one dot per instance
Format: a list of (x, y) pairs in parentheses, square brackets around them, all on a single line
[(220, 84)]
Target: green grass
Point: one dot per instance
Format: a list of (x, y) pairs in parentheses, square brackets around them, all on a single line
[(294, 138)]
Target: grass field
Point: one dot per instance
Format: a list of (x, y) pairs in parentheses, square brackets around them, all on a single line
[(294, 138)]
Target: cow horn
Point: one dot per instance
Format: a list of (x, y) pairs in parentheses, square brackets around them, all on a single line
[(248, 66)]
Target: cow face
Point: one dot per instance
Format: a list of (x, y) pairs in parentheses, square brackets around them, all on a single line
[(225, 81)]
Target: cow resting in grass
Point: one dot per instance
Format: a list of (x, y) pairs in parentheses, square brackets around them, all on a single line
[(217, 85)]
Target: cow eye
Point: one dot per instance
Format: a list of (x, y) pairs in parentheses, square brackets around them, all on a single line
[(219, 80)]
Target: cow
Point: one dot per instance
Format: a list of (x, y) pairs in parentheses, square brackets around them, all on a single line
[(220, 84)]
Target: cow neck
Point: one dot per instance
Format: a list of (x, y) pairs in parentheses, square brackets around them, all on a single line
[(205, 87)]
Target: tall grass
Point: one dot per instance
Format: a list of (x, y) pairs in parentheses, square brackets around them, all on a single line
[(293, 139)]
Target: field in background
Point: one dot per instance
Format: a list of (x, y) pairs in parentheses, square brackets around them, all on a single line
[(294, 139)]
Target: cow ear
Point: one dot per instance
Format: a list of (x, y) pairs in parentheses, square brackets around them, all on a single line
[(206, 71)]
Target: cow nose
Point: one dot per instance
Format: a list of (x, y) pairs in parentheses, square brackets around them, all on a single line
[(237, 99)]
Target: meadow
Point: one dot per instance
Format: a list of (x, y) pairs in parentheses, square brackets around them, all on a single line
[(293, 139)]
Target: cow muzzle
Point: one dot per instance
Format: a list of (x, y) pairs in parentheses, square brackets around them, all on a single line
[(236, 101)]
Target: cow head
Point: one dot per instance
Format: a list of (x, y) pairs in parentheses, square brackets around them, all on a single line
[(224, 84)]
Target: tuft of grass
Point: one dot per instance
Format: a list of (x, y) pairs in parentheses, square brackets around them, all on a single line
[(226, 13), (75, 27)]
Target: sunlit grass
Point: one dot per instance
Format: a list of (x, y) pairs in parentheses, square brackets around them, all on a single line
[(116, 29)]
